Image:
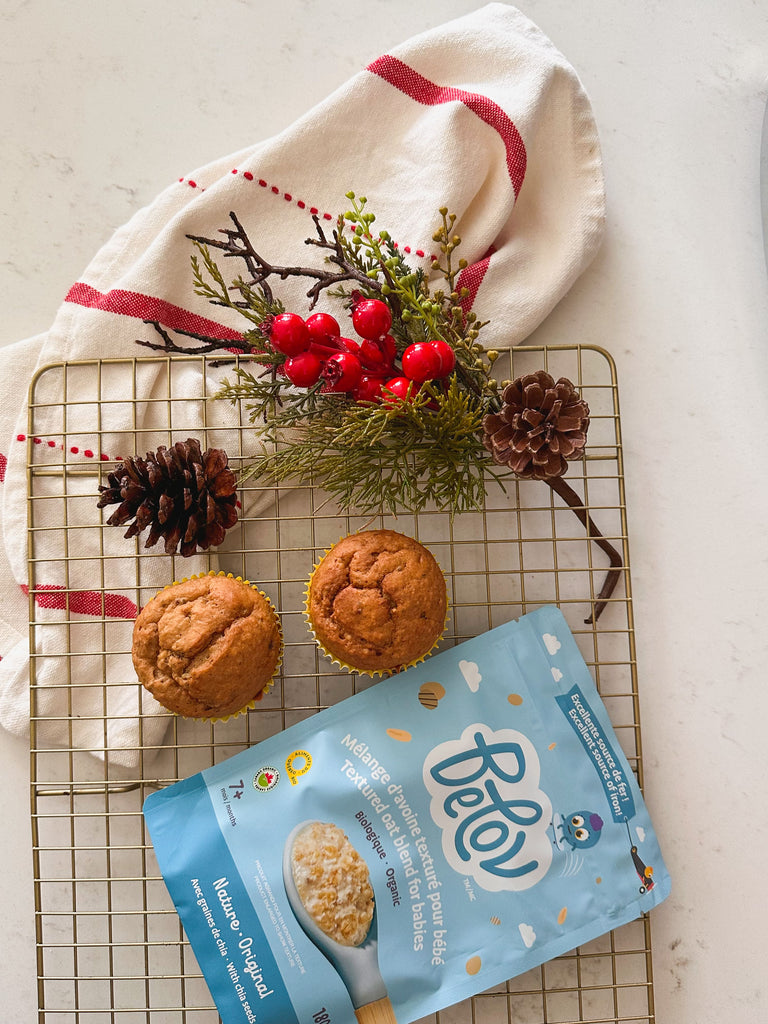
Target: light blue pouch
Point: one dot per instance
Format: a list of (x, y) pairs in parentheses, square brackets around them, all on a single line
[(429, 838)]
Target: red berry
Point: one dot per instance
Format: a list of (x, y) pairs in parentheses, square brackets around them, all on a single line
[(349, 345), (369, 389), (303, 370), (446, 354), (288, 334), (323, 351), (389, 348), (421, 362), (322, 326), (398, 388), (371, 354), (371, 318), (374, 355), (342, 372)]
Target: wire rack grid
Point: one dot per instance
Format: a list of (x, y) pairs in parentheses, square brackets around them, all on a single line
[(110, 947)]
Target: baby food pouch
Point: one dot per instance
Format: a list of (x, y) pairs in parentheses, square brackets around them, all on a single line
[(427, 839)]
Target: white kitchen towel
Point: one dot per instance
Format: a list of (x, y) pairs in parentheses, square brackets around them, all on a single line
[(481, 115)]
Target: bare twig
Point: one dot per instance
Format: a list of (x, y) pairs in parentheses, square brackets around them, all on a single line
[(205, 343), (237, 243)]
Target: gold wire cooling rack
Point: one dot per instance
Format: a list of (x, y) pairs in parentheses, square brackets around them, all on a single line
[(109, 943)]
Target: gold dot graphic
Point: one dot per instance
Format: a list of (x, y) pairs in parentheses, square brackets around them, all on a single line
[(402, 735)]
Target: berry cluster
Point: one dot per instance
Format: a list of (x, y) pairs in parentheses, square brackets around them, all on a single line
[(365, 368)]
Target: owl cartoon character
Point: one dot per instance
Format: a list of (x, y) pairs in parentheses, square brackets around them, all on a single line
[(580, 829)]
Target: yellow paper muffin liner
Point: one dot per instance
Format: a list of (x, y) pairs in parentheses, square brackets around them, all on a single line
[(268, 685), (353, 668)]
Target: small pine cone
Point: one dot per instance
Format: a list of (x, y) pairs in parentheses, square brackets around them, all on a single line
[(542, 424), (184, 496)]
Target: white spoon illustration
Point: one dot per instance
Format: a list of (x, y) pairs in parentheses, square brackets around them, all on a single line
[(357, 966)]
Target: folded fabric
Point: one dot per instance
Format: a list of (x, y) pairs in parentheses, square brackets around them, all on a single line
[(481, 115)]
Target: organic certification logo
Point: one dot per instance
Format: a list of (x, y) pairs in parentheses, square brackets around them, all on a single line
[(298, 763), (266, 778)]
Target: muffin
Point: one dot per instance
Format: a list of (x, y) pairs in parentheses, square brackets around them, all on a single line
[(207, 647), (377, 602)]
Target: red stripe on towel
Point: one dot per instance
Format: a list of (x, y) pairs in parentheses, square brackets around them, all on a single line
[(420, 89), (149, 307), (471, 277), (83, 602)]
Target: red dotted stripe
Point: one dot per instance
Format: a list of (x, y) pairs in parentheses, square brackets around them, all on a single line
[(419, 252), (74, 449), (300, 203), (287, 196)]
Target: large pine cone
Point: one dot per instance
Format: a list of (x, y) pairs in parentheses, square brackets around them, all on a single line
[(542, 425), (183, 495)]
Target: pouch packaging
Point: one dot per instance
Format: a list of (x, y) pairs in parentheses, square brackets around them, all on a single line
[(422, 841)]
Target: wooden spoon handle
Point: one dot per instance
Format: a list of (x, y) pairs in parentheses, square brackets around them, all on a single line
[(379, 1012)]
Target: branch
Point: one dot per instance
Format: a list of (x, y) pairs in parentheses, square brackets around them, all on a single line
[(237, 243), (206, 344), (349, 270), (571, 498)]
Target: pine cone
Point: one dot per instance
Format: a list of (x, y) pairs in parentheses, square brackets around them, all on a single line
[(542, 424), (181, 494)]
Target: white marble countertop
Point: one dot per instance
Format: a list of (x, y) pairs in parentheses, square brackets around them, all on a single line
[(678, 295)]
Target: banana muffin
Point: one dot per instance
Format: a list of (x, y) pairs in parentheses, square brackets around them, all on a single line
[(377, 602), (207, 647)]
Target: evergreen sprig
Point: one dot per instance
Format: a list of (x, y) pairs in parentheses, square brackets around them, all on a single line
[(403, 456), (268, 401)]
